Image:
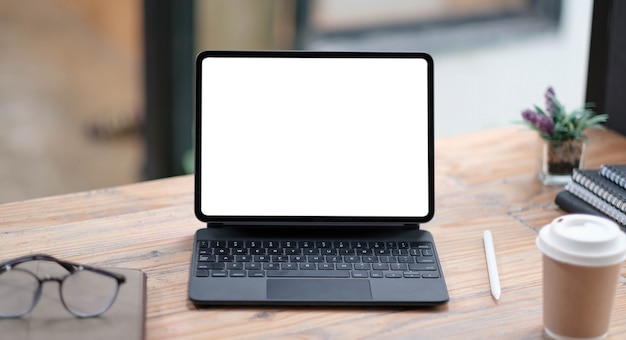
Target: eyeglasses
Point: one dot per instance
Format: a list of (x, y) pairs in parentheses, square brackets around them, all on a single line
[(85, 292)]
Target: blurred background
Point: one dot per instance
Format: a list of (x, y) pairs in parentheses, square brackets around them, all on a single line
[(97, 93)]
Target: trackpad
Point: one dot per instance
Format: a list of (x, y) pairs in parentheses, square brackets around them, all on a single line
[(318, 290)]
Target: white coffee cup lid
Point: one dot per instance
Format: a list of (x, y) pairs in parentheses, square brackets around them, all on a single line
[(584, 240)]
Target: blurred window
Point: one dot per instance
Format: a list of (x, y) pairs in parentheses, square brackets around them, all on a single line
[(429, 24)]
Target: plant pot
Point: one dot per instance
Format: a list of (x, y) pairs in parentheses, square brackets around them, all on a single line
[(557, 159)]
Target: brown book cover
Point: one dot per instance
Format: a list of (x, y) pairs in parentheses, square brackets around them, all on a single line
[(50, 320)]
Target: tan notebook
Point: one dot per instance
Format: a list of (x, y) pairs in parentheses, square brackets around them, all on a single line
[(50, 320)]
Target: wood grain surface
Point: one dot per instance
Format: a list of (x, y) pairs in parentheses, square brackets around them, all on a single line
[(483, 181)]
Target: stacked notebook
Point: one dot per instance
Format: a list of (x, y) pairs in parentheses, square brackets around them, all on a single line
[(599, 192)]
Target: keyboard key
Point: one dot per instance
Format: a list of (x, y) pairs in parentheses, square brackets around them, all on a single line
[(325, 266), (306, 244), (380, 266), (427, 252), (238, 273), (276, 251), (406, 259), (311, 251), (411, 274), (258, 251), (270, 244), (288, 244), (346, 252), (288, 266), (377, 245), (360, 273), (253, 266), (307, 266), (234, 265), (362, 266), (430, 275), (309, 273), (225, 258), (219, 273), (256, 273), (293, 251), (392, 245), (315, 258), (333, 258), (400, 252), (420, 245), (388, 259), (398, 266), (393, 275), (253, 244), (243, 258), (376, 274), (206, 258), (370, 259), (203, 244), (280, 258), (211, 265), (343, 266), (324, 244), (222, 251), (341, 244), (270, 266), (359, 245), (364, 251), (423, 267), (261, 258), (352, 259), (217, 244), (236, 244), (202, 273), (328, 251)]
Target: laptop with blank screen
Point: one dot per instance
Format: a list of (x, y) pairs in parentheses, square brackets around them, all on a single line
[(314, 171)]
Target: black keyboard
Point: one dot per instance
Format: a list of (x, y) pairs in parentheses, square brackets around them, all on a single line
[(324, 259)]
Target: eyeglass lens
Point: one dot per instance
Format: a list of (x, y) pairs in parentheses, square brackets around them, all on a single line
[(18, 291), (87, 293)]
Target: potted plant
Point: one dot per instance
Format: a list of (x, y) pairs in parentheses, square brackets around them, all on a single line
[(563, 141)]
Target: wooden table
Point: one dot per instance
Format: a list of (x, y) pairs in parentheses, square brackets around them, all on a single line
[(483, 181)]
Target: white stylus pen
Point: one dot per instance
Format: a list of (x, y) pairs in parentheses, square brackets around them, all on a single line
[(490, 254)]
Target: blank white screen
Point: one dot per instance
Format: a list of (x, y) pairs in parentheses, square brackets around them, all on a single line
[(314, 137)]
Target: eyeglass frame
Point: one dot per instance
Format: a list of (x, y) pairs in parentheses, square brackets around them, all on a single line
[(72, 268)]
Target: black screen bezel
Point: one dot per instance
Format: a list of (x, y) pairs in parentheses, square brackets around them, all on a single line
[(312, 221)]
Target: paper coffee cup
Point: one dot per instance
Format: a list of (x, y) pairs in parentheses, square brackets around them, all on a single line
[(582, 257)]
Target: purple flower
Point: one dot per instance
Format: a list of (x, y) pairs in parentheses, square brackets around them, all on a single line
[(545, 124), (539, 121), (549, 102), (530, 116)]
